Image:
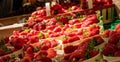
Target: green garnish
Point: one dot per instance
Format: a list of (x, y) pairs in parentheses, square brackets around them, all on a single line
[(13, 56), (40, 35), (37, 49)]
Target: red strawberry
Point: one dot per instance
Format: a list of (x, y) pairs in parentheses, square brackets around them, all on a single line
[(5, 58), (54, 35), (51, 53), (54, 43), (99, 39), (75, 7), (65, 41), (117, 54), (113, 37), (51, 27), (118, 28), (118, 46), (63, 20), (94, 30), (78, 25), (45, 59), (57, 29), (1, 52), (57, 6), (29, 50), (33, 39), (70, 49), (80, 51), (74, 38), (109, 49), (25, 60), (93, 53), (106, 33), (71, 34), (40, 54), (46, 45), (80, 32), (74, 21)]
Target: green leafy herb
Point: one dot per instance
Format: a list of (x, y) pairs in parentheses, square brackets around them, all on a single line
[(78, 14), (42, 55), (40, 35), (55, 11), (68, 17), (3, 47), (37, 49), (13, 56)]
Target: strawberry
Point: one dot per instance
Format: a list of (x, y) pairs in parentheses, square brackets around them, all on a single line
[(25, 60), (117, 54), (71, 34), (80, 32), (1, 52), (51, 53), (54, 43), (109, 49), (46, 45), (94, 30), (45, 59), (93, 53), (69, 49), (74, 21), (29, 50), (65, 41), (113, 37), (33, 39), (51, 27), (57, 6), (78, 25), (57, 29), (106, 33), (99, 39), (73, 38), (29, 54), (67, 56), (80, 51), (40, 54), (63, 20), (54, 35), (5, 58), (118, 46), (75, 8), (6, 39), (118, 28)]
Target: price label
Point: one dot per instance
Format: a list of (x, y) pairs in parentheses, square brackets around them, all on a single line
[(47, 5), (90, 4)]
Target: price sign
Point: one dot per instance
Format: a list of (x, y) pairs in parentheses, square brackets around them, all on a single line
[(90, 4), (47, 5)]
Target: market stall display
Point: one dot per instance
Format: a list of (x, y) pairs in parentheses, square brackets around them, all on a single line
[(68, 34)]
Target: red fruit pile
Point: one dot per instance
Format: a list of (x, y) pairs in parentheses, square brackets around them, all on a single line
[(112, 48)]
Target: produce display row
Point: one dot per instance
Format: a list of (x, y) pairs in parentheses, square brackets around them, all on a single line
[(70, 36)]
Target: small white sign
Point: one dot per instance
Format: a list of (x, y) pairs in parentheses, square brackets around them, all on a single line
[(90, 4), (47, 5)]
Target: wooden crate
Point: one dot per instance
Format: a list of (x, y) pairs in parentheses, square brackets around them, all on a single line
[(12, 20), (117, 6), (8, 30)]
